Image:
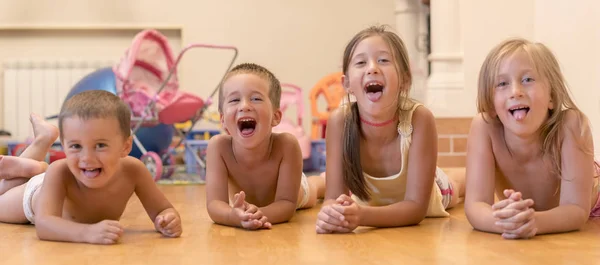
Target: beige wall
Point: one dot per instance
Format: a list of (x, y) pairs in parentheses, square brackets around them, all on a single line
[(301, 41), (571, 29), (483, 25)]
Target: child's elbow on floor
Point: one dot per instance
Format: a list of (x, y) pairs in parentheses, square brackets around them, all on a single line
[(417, 219)]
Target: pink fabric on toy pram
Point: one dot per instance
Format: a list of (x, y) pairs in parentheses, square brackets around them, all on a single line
[(290, 97), (140, 75)]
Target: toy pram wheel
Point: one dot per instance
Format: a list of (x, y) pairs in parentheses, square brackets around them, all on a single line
[(153, 164), (168, 161)]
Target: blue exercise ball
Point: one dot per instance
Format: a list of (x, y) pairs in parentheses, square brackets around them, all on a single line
[(101, 79), (156, 138)]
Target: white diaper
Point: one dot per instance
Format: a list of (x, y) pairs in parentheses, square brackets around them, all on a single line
[(32, 185), (305, 192)]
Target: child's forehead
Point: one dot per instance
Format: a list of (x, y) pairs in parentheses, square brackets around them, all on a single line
[(518, 57), (245, 83), (90, 120), (373, 43), (96, 125)]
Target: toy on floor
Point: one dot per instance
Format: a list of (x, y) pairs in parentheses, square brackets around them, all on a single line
[(330, 87), (293, 96), (146, 79)]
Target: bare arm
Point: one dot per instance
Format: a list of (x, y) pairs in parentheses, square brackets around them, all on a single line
[(288, 182), (335, 185), (49, 207), (217, 194), (576, 180), (154, 201), (422, 159), (331, 220), (480, 176)]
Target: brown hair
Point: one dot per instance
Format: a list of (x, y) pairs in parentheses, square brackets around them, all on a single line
[(96, 104), (352, 169), (260, 71), (547, 66)]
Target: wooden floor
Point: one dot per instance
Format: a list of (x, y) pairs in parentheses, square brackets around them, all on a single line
[(435, 241)]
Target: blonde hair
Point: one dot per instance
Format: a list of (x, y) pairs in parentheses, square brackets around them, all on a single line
[(260, 71), (547, 67), (352, 169)]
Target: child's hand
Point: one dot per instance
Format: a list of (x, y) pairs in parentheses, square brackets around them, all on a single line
[(350, 209), (507, 208), (522, 226), (339, 217), (330, 220), (256, 214), (251, 217), (105, 232), (515, 216), (168, 223), (511, 196)]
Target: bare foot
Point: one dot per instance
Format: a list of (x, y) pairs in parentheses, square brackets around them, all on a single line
[(43, 130), (15, 167)]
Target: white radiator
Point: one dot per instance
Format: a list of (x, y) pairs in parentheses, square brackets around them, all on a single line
[(40, 87)]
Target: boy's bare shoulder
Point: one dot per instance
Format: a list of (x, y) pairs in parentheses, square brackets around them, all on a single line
[(59, 170), (285, 141), (133, 168), (219, 143), (130, 164)]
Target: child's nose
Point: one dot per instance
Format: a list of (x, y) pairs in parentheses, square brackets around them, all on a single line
[(372, 68), (517, 90), (244, 105), (87, 155)]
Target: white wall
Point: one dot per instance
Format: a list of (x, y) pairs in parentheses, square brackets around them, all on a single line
[(300, 41)]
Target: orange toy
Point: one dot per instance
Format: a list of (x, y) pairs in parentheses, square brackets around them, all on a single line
[(332, 89)]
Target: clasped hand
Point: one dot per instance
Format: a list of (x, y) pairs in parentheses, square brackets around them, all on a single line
[(515, 216)]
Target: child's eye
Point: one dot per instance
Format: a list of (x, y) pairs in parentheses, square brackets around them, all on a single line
[(101, 145), (527, 80), (360, 63), (257, 99), (234, 100), (384, 60), (502, 84), (75, 146)]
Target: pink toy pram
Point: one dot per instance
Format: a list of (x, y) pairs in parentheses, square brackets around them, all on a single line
[(289, 97), (146, 79)]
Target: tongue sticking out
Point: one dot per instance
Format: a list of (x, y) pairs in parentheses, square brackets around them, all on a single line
[(374, 96), (374, 91), (91, 173), (520, 114)]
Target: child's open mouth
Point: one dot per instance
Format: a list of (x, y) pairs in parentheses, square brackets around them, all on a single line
[(374, 90), (246, 126), (91, 172), (519, 112)]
